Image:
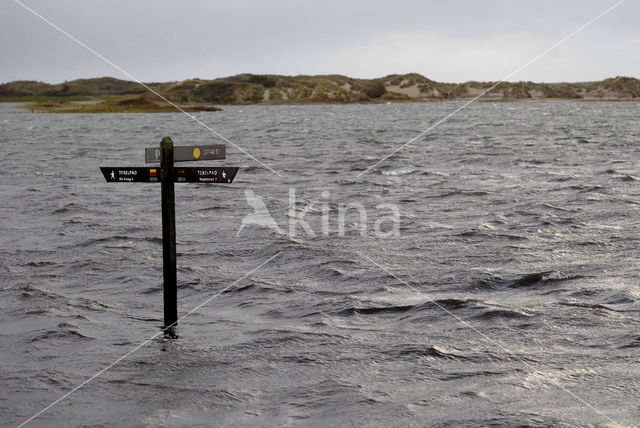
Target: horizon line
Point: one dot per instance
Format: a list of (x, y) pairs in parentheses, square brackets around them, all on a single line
[(318, 76)]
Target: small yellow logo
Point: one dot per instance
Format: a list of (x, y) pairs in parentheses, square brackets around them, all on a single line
[(196, 153)]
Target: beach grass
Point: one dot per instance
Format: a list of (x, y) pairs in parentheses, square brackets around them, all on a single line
[(112, 104)]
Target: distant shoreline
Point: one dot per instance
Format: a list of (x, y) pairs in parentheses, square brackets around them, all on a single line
[(246, 89)]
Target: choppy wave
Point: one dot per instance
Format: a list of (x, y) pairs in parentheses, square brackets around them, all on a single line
[(514, 269)]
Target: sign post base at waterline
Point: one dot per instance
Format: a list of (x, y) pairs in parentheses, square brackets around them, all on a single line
[(167, 176)]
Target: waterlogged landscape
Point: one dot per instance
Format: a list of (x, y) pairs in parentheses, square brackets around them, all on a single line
[(109, 95), (492, 281)]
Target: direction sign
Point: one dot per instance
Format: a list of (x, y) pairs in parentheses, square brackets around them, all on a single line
[(131, 175), (224, 174), (188, 153)]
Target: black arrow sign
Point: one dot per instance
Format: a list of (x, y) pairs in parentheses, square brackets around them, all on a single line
[(224, 174), (131, 175)]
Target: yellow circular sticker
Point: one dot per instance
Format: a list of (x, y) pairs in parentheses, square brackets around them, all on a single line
[(196, 153)]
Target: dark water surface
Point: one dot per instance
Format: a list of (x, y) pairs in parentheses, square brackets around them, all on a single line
[(510, 296)]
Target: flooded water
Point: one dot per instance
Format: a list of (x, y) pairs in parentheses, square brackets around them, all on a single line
[(484, 275)]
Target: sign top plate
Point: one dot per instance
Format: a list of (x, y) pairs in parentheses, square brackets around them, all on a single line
[(187, 153)]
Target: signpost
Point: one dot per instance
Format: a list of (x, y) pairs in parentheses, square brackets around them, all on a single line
[(167, 174), (169, 265)]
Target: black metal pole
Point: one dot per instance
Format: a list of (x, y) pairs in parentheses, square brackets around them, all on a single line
[(170, 287)]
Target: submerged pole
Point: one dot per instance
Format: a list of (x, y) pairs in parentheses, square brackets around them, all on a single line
[(170, 288)]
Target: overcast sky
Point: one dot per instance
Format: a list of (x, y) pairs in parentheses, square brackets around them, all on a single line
[(445, 40)]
